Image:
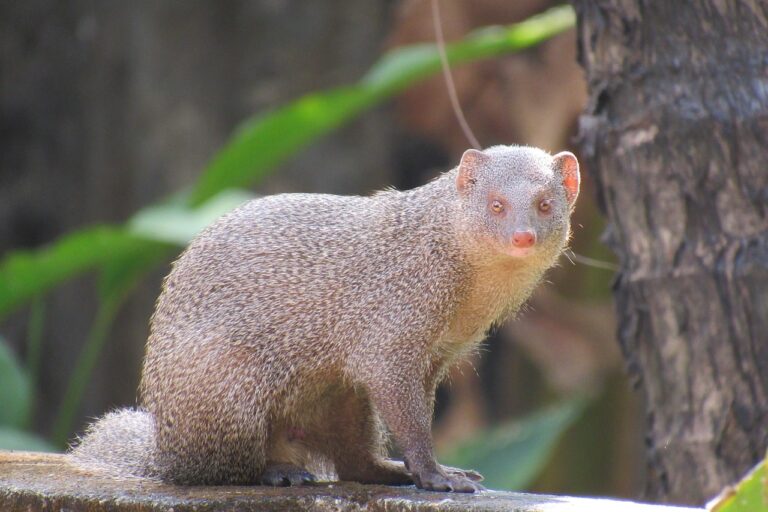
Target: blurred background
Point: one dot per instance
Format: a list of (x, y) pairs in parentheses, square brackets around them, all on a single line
[(107, 108)]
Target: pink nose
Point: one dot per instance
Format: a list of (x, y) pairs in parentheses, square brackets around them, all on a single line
[(523, 239)]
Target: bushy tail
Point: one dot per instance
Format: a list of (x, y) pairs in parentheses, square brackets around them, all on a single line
[(120, 444)]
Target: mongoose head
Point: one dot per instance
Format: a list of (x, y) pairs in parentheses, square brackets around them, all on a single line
[(516, 201)]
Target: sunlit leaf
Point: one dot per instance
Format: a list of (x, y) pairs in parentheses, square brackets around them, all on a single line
[(511, 455), (749, 495), (178, 224)]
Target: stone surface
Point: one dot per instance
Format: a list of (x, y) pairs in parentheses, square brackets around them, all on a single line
[(32, 482)]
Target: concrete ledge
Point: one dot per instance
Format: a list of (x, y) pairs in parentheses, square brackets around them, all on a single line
[(32, 482)]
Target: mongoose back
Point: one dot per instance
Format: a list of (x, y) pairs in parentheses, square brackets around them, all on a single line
[(293, 327)]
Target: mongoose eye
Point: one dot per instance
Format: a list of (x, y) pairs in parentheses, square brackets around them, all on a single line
[(545, 205), (497, 206)]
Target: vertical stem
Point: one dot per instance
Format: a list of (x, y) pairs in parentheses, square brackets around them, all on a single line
[(73, 395), (35, 340)]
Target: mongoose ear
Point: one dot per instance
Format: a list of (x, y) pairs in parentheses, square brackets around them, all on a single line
[(566, 164), (471, 161)]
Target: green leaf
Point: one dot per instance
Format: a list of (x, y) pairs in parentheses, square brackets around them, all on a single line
[(35, 327), (26, 274), (15, 391), (12, 439), (511, 455), (749, 495), (265, 141)]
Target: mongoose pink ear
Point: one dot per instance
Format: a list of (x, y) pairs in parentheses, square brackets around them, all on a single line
[(566, 164), (471, 161)]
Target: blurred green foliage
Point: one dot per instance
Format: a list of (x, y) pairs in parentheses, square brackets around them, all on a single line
[(15, 392), (16, 408), (258, 146), (512, 454), (122, 255)]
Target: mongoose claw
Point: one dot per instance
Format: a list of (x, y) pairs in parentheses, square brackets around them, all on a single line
[(285, 475), (468, 473), (447, 483)]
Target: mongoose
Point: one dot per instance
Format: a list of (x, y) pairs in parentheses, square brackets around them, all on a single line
[(292, 327)]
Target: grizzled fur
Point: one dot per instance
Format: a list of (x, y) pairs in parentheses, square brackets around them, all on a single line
[(292, 326)]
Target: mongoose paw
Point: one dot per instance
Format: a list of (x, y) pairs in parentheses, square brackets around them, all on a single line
[(468, 473), (285, 475), (436, 481)]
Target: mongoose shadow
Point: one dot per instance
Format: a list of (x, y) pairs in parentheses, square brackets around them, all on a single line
[(295, 328)]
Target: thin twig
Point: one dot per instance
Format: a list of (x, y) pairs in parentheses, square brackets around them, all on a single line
[(449, 77), (459, 113)]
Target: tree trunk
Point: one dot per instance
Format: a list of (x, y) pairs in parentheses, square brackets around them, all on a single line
[(676, 136)]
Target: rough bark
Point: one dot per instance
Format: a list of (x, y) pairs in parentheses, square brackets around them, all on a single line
[(676, 135)]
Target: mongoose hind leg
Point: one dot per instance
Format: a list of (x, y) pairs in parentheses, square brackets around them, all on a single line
[(287, 459), (215, 437), (352, 438), (284, 475)]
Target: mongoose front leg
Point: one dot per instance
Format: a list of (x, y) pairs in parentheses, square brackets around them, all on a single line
[(403, 405)]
